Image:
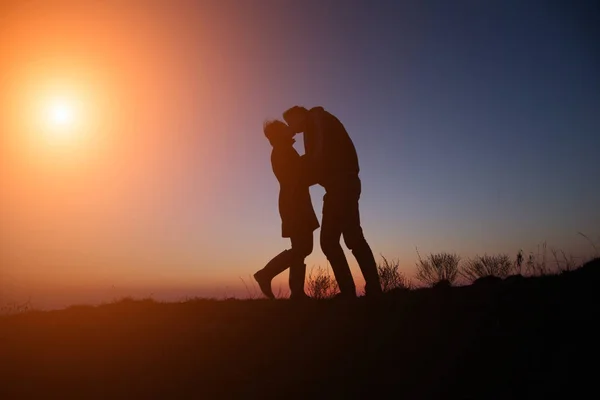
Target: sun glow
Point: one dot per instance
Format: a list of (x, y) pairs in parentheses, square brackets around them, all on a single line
[(61, 113), (59, 118), (62, 122)]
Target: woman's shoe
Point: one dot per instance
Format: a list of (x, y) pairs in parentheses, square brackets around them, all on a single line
[(264, 283)]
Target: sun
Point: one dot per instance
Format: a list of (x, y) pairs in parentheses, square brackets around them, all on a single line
[(59, 120), (62, 120), (61, 113)]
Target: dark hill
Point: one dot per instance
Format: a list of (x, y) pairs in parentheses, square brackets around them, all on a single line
[(498, 339)]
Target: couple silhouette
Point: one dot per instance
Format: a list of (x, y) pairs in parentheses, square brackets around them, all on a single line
[(330, 160)]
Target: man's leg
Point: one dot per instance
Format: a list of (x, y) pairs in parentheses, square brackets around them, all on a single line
[(355, 240), (331, 232), (302, 246)]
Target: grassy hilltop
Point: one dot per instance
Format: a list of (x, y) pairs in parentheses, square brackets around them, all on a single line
[(519, 337)]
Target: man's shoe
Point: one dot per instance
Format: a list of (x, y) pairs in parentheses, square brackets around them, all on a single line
[(264, 283)]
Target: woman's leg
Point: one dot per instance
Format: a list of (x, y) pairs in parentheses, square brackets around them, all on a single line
[(302, 246), (277, 265)]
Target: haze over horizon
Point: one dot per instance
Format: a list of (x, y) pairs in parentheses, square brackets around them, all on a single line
[(132, 158)]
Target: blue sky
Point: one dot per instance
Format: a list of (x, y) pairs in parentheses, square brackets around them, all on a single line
[(475, 122)]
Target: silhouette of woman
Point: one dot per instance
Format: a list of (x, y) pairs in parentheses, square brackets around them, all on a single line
[(298, 218)]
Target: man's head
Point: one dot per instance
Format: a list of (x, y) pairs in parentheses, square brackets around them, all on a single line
[(297, 118), (278, 133)]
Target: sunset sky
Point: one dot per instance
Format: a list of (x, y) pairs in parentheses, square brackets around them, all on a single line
[(132, 158)]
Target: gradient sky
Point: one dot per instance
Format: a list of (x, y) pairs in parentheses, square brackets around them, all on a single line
[(477, 126)]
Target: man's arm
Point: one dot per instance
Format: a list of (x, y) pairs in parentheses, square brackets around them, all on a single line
[(313, 136), (308, 171), (318, 137), (312, 160)]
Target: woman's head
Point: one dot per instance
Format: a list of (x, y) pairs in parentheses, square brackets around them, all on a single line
[(278, 132)]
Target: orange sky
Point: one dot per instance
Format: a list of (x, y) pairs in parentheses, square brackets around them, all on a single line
[(80, 213), (166, 184), (119, 206)]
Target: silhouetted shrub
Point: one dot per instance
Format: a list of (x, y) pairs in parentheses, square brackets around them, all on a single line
[(438, 267), (252, 292), (320, 284), (481, 266), (518, 267), (391, 277), (536, 264), (591, 242), (15, 308), (563, 263)]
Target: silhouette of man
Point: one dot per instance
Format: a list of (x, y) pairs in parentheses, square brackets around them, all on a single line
[(330, 159), (298, 218)]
